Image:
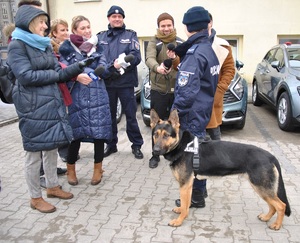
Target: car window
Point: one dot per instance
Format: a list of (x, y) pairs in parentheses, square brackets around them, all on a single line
[(269, 57), (294, 57), (279, 56)]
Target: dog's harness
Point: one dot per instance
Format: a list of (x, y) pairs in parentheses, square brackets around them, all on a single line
[(193, 147)]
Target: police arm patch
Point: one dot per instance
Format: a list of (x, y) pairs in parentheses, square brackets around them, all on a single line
[(136, 45), (183, 79)]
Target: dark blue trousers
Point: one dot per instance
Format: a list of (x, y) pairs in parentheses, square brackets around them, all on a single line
[(128, 101)]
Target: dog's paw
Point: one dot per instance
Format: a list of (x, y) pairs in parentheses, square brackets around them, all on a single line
[(177, 210), (263, 217), (175, 223), (275, 226)]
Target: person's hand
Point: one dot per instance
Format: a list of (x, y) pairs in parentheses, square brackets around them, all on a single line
[(116, 64), (162, 70), (83, 78), (171, 54)]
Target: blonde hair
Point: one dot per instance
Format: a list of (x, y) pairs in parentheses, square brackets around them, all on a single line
[(8, 29), (34, 23), (55, 23), (76, 20)]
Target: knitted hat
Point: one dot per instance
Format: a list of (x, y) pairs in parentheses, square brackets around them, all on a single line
[(196, 19), (164, 16), (115, 10), (26, 14)]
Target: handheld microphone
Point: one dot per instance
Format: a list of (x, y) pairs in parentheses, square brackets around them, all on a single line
[(171, 46), (97, 73), (88, 61), (124, 61), (167, 64), (129, 58)]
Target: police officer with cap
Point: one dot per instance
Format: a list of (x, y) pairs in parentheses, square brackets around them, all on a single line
[(116, 41)]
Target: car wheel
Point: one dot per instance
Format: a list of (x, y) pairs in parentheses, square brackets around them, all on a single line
[(242, 123), (255, 96), (146, 120), (119, 111), (284, 112)]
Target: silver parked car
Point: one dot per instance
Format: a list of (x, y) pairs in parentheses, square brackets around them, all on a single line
[(276, 82)]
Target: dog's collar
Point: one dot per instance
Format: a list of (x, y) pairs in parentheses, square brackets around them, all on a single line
[(173, 147)]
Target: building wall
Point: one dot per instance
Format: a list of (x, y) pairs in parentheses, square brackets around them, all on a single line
[(256, 24), (7, 12)]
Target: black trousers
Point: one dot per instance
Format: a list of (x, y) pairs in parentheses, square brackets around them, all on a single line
[(162, 103), (128, 101), (75, 146)]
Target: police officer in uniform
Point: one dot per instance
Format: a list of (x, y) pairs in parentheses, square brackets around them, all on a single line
[(115, 41), (196, 83)]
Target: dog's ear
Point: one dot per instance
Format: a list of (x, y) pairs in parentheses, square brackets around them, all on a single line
[(153, 118), (174, 119)]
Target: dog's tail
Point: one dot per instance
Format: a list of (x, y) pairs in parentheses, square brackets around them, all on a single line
[(281, 189)]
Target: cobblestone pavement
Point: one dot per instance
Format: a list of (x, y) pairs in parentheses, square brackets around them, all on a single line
[(133, 203)]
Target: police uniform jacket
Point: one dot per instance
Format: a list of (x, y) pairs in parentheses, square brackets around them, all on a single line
[(196, 84), (116, 41)]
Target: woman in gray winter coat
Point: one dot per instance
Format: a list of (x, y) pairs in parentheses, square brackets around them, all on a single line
[(43, 120)]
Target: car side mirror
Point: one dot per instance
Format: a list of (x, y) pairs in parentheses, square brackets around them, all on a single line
[(276, 65), (239, 64)]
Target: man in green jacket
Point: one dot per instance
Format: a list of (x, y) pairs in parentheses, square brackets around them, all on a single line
[(162, 74)]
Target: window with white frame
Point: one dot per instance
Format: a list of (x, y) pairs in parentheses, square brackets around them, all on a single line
[(294, 39)]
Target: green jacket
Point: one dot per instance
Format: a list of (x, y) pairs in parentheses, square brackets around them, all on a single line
[(155, 55)]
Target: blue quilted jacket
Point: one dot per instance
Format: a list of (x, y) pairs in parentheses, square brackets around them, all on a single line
[(89, 113), (43, 120)]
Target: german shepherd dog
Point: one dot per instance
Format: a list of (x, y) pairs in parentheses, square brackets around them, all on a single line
[(219, 158)]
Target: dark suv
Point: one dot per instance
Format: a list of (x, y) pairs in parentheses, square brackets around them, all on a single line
[(277, 82)]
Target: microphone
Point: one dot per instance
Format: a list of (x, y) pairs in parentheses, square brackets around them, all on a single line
[(171, 47), (167, 64), (124, 61), (97, 73), (129, 58), (88, 61)]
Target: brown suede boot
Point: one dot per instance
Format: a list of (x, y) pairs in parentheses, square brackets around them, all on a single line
[(59, 193), (71, 174), (98, 172), (41, 205)]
